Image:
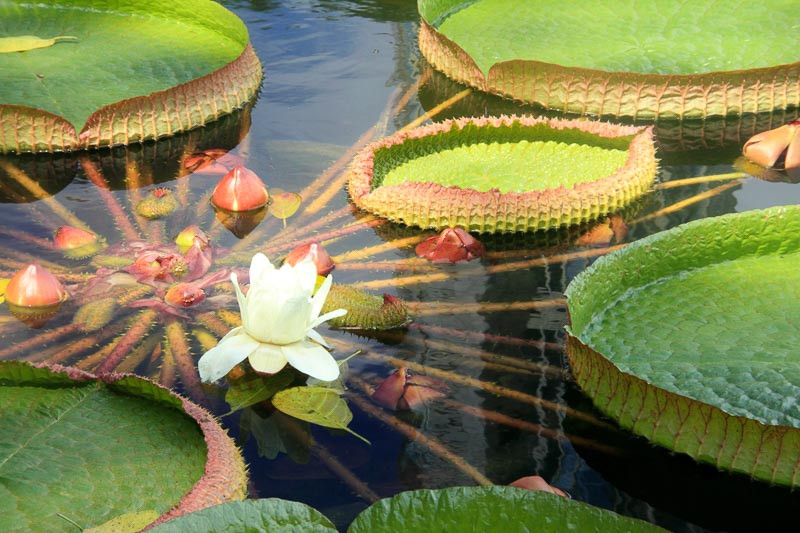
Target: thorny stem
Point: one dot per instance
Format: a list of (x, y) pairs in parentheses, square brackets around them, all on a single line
[(38, 340), (492, 269), (96, 177), (61, 352), (413, 264), (490, 357), (370, 251), (700, 179), (448, 308), (524, 425), (687, 202), (472, 382), (488, 337), (436, 110), (36, 190), (140, 326), (415, 435), (177, 345)]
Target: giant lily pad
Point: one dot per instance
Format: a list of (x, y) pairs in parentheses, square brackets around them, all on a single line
[(504, 174), (134, 71), (96, 448), (506, 509), (641, 60), (689, 337), (251, 516)]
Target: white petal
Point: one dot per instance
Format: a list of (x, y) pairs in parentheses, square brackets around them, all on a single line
[(240, 298), (306, 273), (316, 337), (260, 268), (327, 316), (268, 358), (283, 323), (320, 296), (229, 352), (311, 359)]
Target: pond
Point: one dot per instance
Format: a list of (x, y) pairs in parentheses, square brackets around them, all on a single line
[(338, 74)]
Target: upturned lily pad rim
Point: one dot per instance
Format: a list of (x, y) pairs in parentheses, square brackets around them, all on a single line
[(632, 401), (224, 477), (430, 205), (143, 117), (620, 94)]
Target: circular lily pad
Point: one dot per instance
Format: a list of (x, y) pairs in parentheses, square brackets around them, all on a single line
[(641, 60), (689, 337), (95, 448), (131, 71), (503, 174)]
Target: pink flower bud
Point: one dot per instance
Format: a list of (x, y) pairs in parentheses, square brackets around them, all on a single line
[(779, 147), (316, 253), (34, 286), (240, 190), (76, 243), (184, 295), (451, 245), (34, 295)]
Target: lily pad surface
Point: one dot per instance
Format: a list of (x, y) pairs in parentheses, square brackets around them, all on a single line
[(689, 338), (495, 508), (639, 59), (94, 448), (251, 516), (504, 174), (129, 71)]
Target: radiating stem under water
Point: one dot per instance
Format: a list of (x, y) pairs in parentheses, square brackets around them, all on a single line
[(414, 435)]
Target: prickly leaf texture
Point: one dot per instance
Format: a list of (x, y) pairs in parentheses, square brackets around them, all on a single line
[(504, 174)]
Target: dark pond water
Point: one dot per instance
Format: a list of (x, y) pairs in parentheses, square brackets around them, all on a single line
[(335, 69)]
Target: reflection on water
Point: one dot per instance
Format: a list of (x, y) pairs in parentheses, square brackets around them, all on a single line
[(492, 328)]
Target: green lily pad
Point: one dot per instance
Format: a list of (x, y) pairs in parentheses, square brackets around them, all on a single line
[(689, 338), (94, 449), (134, 71), (504, 174), (640, 59), (251, 516), (495, 508)]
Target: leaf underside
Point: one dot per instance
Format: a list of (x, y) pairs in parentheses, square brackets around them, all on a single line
[(705, 315)]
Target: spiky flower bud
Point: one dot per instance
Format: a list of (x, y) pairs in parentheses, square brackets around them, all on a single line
[(159, 203)]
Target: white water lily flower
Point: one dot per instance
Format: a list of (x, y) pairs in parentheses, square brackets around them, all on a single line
[(278, 317)]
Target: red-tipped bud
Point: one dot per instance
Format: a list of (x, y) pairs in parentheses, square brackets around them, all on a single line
[(184, 295), (451, 245), (240, 190), (76, 243), (34, 295), (34, 286), (316, 253), (185, 239)]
